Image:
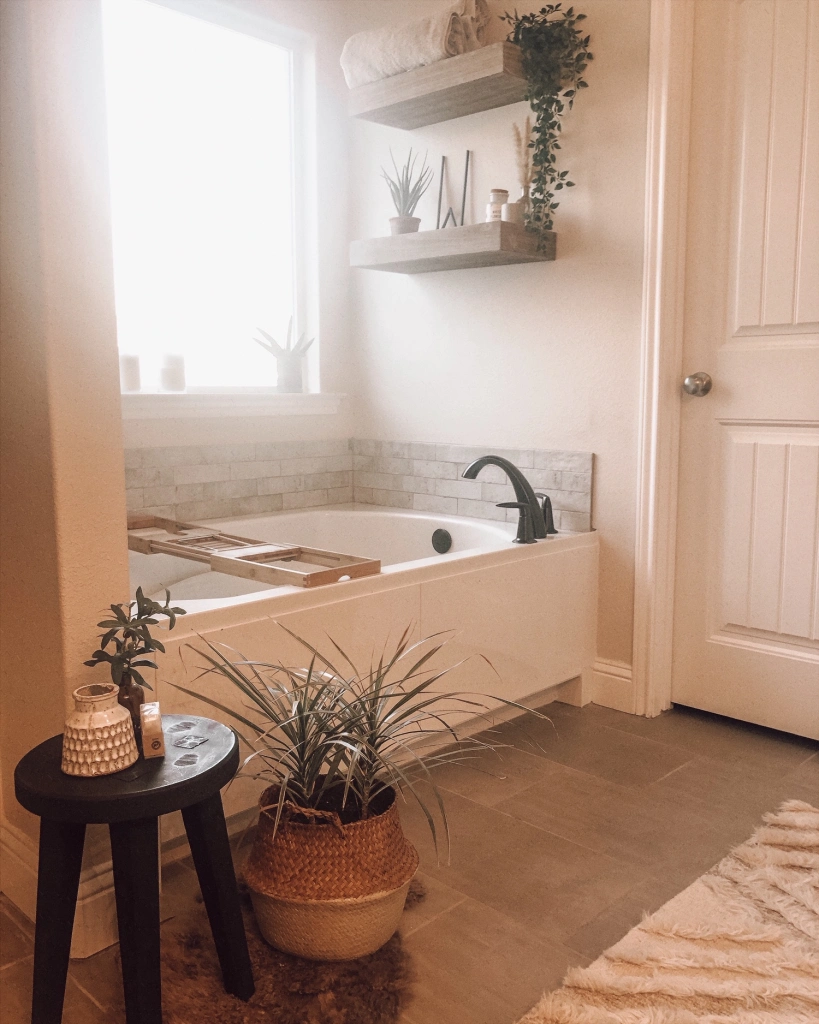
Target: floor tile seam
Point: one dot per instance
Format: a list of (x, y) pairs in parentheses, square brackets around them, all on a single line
[(539, 828), (811, 757), (519, 793), (88, 994), (9, 922), (582, 771), (436, 917), (14, 963), (535, 935), (694, 752), (23, 924), (548, 832)]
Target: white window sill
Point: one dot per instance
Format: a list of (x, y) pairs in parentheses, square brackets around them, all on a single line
[(202, 405)]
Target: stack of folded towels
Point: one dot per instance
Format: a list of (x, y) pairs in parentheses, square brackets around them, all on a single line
[(370, 56)]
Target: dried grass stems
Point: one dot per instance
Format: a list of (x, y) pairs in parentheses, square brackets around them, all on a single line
[(523, 154), (330, 735)]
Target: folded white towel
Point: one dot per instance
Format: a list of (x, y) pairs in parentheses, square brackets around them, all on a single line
[(381, 53)]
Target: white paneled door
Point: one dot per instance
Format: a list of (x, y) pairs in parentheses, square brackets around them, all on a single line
[(746, 629)]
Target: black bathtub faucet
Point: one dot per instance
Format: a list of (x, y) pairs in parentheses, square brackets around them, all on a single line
[(523, 490)]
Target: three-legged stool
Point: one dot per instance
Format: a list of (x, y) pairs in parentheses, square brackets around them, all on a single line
[(202, 757)]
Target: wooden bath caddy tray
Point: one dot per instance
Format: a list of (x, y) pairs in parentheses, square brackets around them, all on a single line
[(277, 564)]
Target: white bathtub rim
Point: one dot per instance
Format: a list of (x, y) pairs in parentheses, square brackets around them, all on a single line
[(208, 614)]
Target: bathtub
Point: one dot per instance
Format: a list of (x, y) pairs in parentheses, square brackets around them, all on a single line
[(522, 619), (401, 540), (529, 609)]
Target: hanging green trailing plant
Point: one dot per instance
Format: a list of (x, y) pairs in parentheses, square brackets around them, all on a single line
[(554, 56)]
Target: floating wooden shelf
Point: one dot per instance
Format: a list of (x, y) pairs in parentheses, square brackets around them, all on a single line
[(479, 80), (477, 245)]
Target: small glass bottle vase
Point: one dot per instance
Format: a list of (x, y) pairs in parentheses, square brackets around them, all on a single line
[(525, 203), (132, 697)]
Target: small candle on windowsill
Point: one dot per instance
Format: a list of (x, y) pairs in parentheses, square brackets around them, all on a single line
[(172, 373), (129, 378)]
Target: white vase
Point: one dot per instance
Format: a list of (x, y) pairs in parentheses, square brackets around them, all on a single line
[(404, 225), (99, 735)]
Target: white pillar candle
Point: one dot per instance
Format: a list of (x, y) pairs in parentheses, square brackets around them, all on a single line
[(512, 212), (172, 374), (129, 379)]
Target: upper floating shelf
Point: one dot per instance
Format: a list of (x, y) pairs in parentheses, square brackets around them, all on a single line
[(479, 80), (494, 244)]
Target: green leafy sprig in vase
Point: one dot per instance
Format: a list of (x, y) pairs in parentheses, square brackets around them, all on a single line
[(555, 54), (129, 634)]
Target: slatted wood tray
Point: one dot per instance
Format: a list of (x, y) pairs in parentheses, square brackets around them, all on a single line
[(276, 564)]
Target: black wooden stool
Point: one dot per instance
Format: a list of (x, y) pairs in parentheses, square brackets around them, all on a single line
[(202, 756)]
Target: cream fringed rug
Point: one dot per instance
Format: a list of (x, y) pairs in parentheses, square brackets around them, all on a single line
[(739, 946)]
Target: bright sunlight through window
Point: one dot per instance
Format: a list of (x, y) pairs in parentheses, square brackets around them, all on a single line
[(201, 156)]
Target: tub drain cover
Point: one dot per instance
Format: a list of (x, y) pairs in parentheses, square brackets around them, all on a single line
[(442, 541)]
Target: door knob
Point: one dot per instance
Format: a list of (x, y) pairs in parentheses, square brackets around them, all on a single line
[(698, 384)]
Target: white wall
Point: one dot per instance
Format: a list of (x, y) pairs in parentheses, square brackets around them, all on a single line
[(542, 356)]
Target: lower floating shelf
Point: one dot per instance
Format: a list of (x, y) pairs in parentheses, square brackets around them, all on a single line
[(494, 244)]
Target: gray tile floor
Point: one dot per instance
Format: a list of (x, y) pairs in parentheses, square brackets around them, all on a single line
[(558, 846)]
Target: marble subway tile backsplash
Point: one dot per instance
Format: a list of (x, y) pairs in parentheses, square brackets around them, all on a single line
[(221, 481), (427, 478)]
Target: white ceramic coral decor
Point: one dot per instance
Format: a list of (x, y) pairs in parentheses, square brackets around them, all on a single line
[(99, 735)]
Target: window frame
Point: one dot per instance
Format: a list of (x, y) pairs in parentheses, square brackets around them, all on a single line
[(209, 401)]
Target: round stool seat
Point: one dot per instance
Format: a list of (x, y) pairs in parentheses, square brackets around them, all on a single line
[(201, 756)]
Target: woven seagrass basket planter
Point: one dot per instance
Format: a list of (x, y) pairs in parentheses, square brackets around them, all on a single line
[(329, 891)]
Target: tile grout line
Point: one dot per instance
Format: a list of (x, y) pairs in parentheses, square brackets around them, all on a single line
[(87, 994), (14, 963), (545, 831), (440, 914), (673, 770)]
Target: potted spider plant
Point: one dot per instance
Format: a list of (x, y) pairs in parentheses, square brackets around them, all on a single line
[(330, 866), (406, 189)]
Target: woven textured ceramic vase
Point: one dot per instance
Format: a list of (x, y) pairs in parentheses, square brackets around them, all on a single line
[(329, 891), (99, 736)]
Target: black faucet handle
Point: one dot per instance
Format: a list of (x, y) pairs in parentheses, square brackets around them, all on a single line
[(526, 528), (548, 515)]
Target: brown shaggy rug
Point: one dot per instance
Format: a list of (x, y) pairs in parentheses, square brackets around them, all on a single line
[(289, 990)]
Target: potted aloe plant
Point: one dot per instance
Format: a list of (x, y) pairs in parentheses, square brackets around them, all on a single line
[(406, 189), (289, 359), (330, 866)]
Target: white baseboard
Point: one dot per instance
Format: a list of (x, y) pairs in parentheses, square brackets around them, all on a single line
[(613, 686), (18, 868), (95, 920)]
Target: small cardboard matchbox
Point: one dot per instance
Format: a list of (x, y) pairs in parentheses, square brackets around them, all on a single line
[(153, 740)]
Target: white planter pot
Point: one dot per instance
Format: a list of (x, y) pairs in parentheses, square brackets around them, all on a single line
[(404, 225), (99, 735)]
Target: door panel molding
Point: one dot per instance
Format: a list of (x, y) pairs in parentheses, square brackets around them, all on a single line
[(767, 495), (671, 50), (776, 236)]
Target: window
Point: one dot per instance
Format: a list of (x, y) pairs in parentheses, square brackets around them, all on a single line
[(203, 196)]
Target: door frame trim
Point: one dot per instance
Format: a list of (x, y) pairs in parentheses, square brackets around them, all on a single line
[(671, 52)]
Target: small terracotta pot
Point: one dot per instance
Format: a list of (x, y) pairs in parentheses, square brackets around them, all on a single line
[(404, 225), (99, 736)]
